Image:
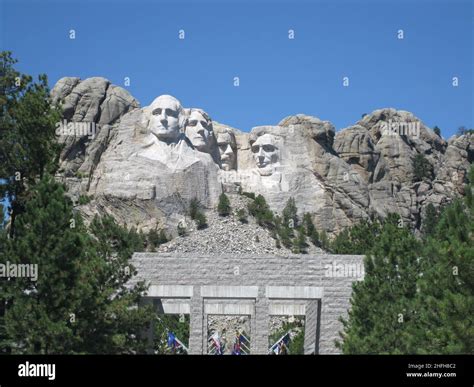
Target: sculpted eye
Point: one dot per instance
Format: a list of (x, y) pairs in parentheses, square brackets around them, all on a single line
[(255, 148), (172, 113), (156, 112), (268, 148), (192, 123), (204, 124)]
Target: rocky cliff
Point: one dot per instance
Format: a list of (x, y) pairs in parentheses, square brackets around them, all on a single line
[(144, 165)]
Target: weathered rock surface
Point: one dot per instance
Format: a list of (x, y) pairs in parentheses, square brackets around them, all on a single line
[(97, 105), (228, 235), (142, 168)]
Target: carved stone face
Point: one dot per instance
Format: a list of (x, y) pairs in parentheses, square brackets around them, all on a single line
[(226, 144), (266, 154), (199, 130), (165, 118)]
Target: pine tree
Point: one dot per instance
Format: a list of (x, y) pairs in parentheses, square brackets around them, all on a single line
[(310, 230), (194, 207), (242, 215), (363, 235), (197, 215), (446, 298), (259, 209), (299, 244), (28, 120), (113, 323), (79, 302), (422, 168), (357, 239), (163, 238), (382, 305), (341, 243), (290, 217), (429, 221), (282, 232), (437, 131), (155, 239), (223, 208), (324, 240), (201, 220)]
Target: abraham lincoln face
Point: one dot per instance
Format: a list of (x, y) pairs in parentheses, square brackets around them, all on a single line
[(266, 154)]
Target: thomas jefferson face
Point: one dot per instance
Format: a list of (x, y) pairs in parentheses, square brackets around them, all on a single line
[(199, 130), (226, 144), (265, 153), (165, 118)]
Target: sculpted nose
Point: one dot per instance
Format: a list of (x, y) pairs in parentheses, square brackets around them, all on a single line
[(200, 130), (228, 150), (162, 117)]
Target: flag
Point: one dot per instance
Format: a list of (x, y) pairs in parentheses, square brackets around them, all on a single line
[(217, 343), (171, 339)]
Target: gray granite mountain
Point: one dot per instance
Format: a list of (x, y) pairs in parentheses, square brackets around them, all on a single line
[(144, 165)]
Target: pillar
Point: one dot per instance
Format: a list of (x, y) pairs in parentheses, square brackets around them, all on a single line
[(196, 329), (261, 325)]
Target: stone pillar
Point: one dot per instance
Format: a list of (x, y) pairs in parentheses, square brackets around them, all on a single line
[(312, 327), (196, 328), (205, 320), (261, 326), (149, 333)]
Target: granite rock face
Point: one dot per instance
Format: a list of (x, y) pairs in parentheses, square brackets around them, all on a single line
[(91, 109), (144, 165)]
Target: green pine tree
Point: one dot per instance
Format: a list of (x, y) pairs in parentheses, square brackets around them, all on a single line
[(429, 221), (422, 169), (260, 210), (223, 208), (310, 229), (325, 244), (341, 244), (28, 120), (382, 305), (289, 215), (156, 238), (201, 220), (446, 297), (299, 244), (79, 302), (242, 215), (357, 239), (194, 207)]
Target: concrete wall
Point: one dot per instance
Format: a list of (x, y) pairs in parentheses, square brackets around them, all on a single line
[(265, 283)]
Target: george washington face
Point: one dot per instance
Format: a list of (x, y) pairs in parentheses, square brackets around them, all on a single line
[(166, 115)]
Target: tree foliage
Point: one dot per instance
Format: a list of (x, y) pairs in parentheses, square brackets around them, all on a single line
[(79, 302), (27, 132), (417, 296), (223, 207)]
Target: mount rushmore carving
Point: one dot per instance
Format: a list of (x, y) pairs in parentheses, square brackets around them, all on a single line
[(144, 165)]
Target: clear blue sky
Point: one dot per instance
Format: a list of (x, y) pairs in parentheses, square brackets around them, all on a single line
[(278, 76)]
